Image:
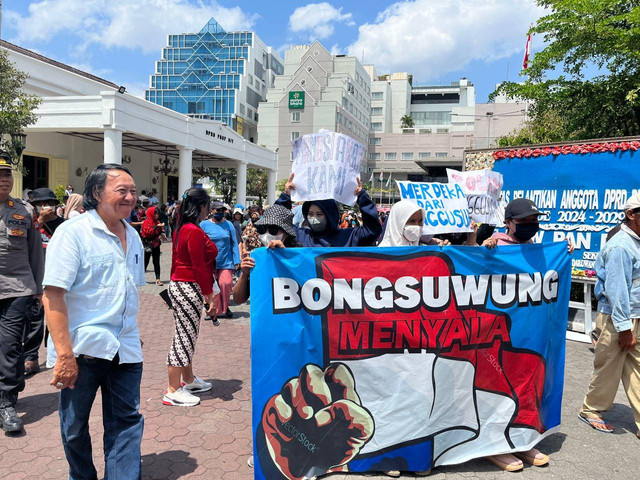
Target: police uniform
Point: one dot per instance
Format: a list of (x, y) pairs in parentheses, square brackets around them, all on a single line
[(21, 272)]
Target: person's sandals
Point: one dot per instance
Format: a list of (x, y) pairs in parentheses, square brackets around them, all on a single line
[(159, 282), (499, 460), (592, 422), (533, 459)]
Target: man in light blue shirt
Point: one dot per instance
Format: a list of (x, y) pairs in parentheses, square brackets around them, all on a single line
[(617, 353), (93, 269)]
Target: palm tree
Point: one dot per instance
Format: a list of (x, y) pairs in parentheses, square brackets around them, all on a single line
[(406, 122)]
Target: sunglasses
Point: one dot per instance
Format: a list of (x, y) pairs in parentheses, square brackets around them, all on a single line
[(272, 229)]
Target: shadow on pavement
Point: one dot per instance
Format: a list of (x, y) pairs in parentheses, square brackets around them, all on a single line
[(223, 389), (169, 465), (36, 407), (621, 417), (552, 444)]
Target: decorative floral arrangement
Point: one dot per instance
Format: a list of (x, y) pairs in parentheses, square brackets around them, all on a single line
[(567, 149), (480, 161)]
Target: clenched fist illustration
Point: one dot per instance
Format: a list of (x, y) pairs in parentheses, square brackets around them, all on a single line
[(315, 425)]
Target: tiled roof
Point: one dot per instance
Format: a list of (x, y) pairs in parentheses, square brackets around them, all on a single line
[(37, 56)]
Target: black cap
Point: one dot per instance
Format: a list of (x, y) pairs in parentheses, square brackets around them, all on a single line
[(521, 208), (43, 195), (216, 205)]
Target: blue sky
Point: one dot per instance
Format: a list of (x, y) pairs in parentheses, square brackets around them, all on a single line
[(437, 41)]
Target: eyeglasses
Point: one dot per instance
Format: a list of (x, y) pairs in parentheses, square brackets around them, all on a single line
[(272, 229)]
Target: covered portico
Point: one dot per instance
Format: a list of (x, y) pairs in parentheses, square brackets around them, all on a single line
[(122, 121)]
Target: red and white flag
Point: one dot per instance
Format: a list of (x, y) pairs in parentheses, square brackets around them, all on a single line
[(527, 53)]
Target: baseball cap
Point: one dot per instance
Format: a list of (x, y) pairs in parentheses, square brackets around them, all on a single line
[(43, 195), (632, 202), (521, 208), (216, 205), (4, 164)]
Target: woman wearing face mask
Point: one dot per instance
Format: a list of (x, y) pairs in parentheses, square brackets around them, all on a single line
[(521, 219), (276, 230), (222, 233), (404, 225), (404, 229), (250, 235), (322, 218)]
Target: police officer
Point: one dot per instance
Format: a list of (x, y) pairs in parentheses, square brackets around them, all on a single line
[(21, 272)]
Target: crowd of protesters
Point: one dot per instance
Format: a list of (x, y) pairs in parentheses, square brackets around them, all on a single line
[(72, 250)]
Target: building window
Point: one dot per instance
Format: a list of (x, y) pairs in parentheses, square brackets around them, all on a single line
[(374, 156), (376, 111), (390, 156), (407, 155), (249, 79), (295, 117), (442, 154), (377, 95), (375, 141), (241, 109), (376, 126), (295, 136), (423, 155)]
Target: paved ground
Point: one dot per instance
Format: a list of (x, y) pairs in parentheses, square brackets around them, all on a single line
[(213, 440)]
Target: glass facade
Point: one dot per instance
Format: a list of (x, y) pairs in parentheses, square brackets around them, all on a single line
[(199, 73)]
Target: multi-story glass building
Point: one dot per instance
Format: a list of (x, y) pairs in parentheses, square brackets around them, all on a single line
[(216, 75)]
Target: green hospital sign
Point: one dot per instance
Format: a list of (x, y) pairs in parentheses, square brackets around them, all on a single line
[(296, 99)]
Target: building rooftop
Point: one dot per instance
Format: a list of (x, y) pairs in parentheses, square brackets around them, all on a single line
[(55, 63)]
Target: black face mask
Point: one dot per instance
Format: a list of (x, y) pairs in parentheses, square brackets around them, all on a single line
[(526, 231)]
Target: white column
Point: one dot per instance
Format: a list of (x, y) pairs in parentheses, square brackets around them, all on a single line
[(112, 146), (271, 186), (185, 166), (241, 183)]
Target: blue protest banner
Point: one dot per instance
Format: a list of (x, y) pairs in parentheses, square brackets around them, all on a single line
[(580, 194), (404, 358)]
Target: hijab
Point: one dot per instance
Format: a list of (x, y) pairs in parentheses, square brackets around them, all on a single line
[(149, 224), (397, 219), (74, 204)]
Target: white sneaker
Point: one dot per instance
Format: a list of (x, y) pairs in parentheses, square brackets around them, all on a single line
[(197, 386), (180, 398)]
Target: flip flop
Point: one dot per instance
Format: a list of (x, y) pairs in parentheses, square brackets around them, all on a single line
[(591, 421), (532, 460), (507, 467)]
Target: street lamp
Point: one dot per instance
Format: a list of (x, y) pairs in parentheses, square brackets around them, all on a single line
[(19, 143)]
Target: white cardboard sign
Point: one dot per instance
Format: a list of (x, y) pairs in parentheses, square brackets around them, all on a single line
[(483, 189), (445, 204), (326, 165)]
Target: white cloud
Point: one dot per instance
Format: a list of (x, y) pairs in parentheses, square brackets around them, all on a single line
[(429, 38), (134, 24), (318, 19)]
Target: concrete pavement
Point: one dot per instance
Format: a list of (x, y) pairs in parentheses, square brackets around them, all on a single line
[(213, 440)]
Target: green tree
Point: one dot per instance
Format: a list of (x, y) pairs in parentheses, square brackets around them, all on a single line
[(16, 107), (224, 182), (257, 182), (406, 122), (581, 35)]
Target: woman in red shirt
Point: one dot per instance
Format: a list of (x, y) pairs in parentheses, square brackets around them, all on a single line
[(192, 266)]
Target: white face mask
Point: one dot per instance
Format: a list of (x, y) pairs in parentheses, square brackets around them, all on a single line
[(265, 238), (412, 233)]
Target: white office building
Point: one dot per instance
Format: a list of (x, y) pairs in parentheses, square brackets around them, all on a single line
[(318, 90)]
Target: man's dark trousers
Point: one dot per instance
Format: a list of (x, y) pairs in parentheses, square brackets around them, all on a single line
[(12, 326)]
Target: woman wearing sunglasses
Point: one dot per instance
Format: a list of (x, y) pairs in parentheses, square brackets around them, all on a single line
[(275, 230)]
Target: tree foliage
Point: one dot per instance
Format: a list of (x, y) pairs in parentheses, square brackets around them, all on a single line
[(581, 36), (16, 107), (224, 181)]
